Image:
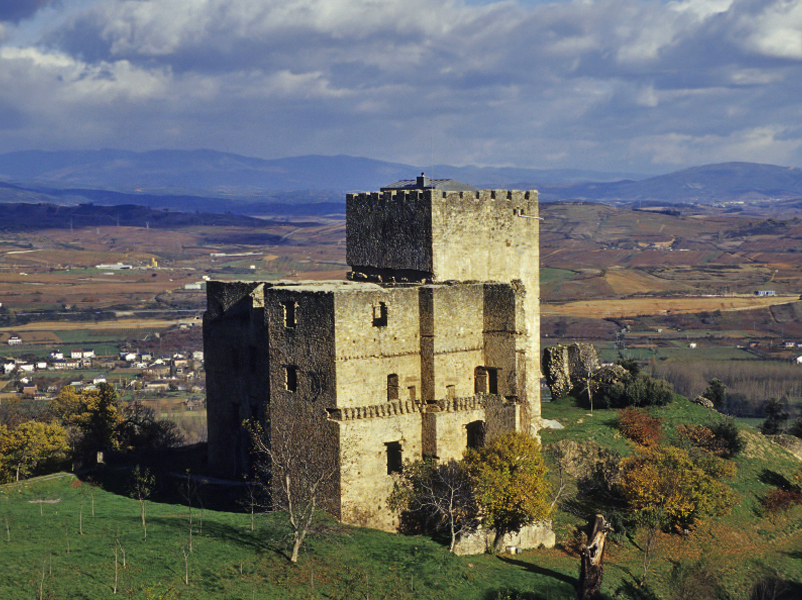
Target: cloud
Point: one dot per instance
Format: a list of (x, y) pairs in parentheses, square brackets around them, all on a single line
[(16, 10), (608, 84)]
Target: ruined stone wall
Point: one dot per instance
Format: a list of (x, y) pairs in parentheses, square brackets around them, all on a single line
[(303, 341), (390, 231), (458, 338), (364, 479), (374, 341), (237, 376)]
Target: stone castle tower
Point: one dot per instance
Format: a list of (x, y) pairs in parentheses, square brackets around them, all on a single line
[(432, 346)]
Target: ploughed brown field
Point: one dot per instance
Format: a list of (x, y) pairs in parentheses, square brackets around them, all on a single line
[(597, 262)]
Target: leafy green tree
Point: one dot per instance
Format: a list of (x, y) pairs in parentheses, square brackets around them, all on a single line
[(95, 413), (669, 481), (716, 392), (510, 478), (726, 430), (776, 416), (31, 447), (141, 431)]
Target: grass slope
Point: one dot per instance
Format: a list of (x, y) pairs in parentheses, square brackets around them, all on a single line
[(738, 547), (338, 562)]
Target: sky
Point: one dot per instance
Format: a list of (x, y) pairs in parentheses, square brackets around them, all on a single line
[(639, 86)]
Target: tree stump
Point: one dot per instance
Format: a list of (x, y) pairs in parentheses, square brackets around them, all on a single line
[(591, 569)]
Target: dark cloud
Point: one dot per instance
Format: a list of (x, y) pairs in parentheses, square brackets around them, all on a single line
[(17, 10), (618, 84)]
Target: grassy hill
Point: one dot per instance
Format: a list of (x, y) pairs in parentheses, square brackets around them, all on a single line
[(45, 555)]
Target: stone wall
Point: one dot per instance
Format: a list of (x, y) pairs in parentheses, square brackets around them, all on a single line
[(431, 235), (364, 477), (529, 537), (237, 374), (390, 231), (370, 344)]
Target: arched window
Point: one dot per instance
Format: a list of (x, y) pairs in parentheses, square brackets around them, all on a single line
[(392, 387), (480, 380)]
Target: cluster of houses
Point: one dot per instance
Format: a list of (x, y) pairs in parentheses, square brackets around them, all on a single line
[(57, 361), (178, 371)]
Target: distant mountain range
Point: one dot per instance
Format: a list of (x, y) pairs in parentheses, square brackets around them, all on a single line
[(210, 181), (709, 184), (208, 170)]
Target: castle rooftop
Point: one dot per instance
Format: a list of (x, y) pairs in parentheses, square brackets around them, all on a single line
[(424, 183)]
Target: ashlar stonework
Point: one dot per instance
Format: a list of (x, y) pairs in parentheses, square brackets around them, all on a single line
[(430, 347)]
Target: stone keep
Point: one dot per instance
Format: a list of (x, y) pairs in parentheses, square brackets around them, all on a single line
[(432, 345)]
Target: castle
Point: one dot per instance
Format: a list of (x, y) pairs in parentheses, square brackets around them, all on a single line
[(431, 346)]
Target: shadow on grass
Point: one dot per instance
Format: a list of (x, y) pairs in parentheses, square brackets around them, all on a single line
[(633, 591), (538, 570), (776, 479)]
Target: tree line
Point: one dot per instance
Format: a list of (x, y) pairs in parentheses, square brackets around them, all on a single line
[(74, 429)]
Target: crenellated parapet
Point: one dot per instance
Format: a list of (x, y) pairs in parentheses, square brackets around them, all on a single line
[(376, 411)]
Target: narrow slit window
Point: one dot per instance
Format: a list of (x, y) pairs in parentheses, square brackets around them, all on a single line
[(380, 315), (480, 380), (492, 381), (392, 387), (394, 460), (290, 316), (291, 378), (253, 358)]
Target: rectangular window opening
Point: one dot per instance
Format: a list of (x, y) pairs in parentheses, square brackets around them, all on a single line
[(291, 378), (380, 315), (476, 434), (290, 319), (392, 387), (394, 461), (451, 392), (413, 394)]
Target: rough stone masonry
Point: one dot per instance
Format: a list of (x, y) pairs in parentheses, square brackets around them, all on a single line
[(430, 347)]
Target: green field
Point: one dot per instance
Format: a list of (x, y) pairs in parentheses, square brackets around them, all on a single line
[(52, 543)]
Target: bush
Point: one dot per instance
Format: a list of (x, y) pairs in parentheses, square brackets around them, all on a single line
[(726, 431), (700, 437), (796, 428), (636, 390), (668, 480), (776, 416), (640, 426), (778, 500), (716, 392)]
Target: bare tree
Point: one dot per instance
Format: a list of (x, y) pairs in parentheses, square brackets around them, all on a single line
[(587, 363), (141, 487), (294, 468), (443, 495), (186, 553), (250, 501)]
